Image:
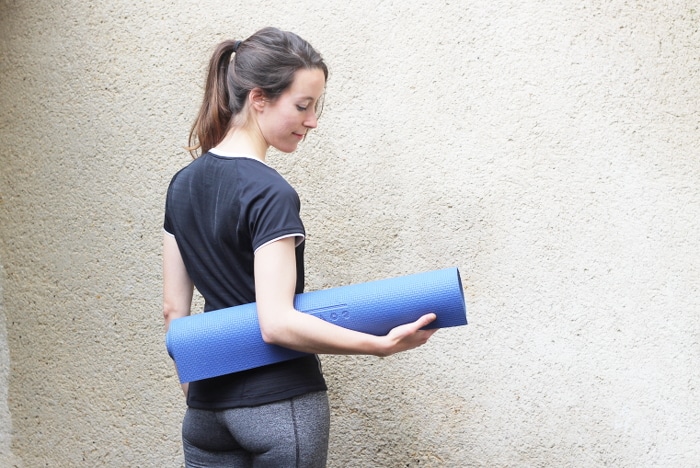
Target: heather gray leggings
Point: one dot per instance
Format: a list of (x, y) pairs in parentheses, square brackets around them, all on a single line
[(288, 433)]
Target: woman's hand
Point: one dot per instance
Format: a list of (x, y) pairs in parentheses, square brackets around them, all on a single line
[(408, 336)]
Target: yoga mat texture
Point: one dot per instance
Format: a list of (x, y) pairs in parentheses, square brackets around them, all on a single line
[(228, 340)]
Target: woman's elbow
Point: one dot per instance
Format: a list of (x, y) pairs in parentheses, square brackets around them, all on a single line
[(273, 332), (172, 312), (269, 335)]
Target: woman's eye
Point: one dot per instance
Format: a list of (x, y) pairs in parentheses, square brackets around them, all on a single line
[(301, 108)]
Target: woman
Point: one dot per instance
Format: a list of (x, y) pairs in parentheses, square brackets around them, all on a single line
[(232, 229)]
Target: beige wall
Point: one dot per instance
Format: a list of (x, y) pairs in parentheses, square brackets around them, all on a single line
[(549, 151)]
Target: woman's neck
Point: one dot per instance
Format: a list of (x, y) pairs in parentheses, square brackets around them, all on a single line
[(241, 140)]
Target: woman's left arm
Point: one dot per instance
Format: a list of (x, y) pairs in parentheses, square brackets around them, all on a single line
[(177, 285)]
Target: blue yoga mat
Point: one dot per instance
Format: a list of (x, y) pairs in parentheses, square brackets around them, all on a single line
[(229, 340)]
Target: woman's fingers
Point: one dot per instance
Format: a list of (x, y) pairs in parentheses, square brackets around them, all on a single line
[(425, 320), (411, 335)]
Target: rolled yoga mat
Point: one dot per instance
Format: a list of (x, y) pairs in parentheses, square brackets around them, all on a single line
[(229, 340)]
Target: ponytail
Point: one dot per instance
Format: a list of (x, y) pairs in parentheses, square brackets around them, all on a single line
[(214, 116)]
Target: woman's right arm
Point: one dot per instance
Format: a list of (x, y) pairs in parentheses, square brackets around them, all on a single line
[(281, 324)]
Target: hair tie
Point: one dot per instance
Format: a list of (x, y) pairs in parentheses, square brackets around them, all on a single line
[(236, 45)]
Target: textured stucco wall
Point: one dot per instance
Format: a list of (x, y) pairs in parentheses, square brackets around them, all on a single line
[(6, 457), (549, 150)]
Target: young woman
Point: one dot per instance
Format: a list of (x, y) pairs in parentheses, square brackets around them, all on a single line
[(232, 229)]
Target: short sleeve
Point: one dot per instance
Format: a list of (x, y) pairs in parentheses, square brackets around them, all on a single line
[(275, 215), (167, 219), (167, 223)]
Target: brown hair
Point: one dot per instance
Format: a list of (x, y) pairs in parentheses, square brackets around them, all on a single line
[(267, 60)]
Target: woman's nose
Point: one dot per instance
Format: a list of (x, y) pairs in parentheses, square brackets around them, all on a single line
[(311, 121)]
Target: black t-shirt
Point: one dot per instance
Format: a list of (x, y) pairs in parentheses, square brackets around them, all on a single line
[(220, 210)]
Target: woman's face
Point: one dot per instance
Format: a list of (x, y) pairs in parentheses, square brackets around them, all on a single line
[(285, 120)]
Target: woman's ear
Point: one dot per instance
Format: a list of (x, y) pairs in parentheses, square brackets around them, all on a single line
[(257, 99)]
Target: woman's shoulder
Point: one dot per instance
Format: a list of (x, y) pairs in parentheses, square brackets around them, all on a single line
[(256, 172)]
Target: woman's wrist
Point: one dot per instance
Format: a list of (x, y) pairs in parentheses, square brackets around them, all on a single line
[(380, 346)]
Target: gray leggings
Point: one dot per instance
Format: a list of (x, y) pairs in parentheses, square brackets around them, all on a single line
[(287, 433)]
